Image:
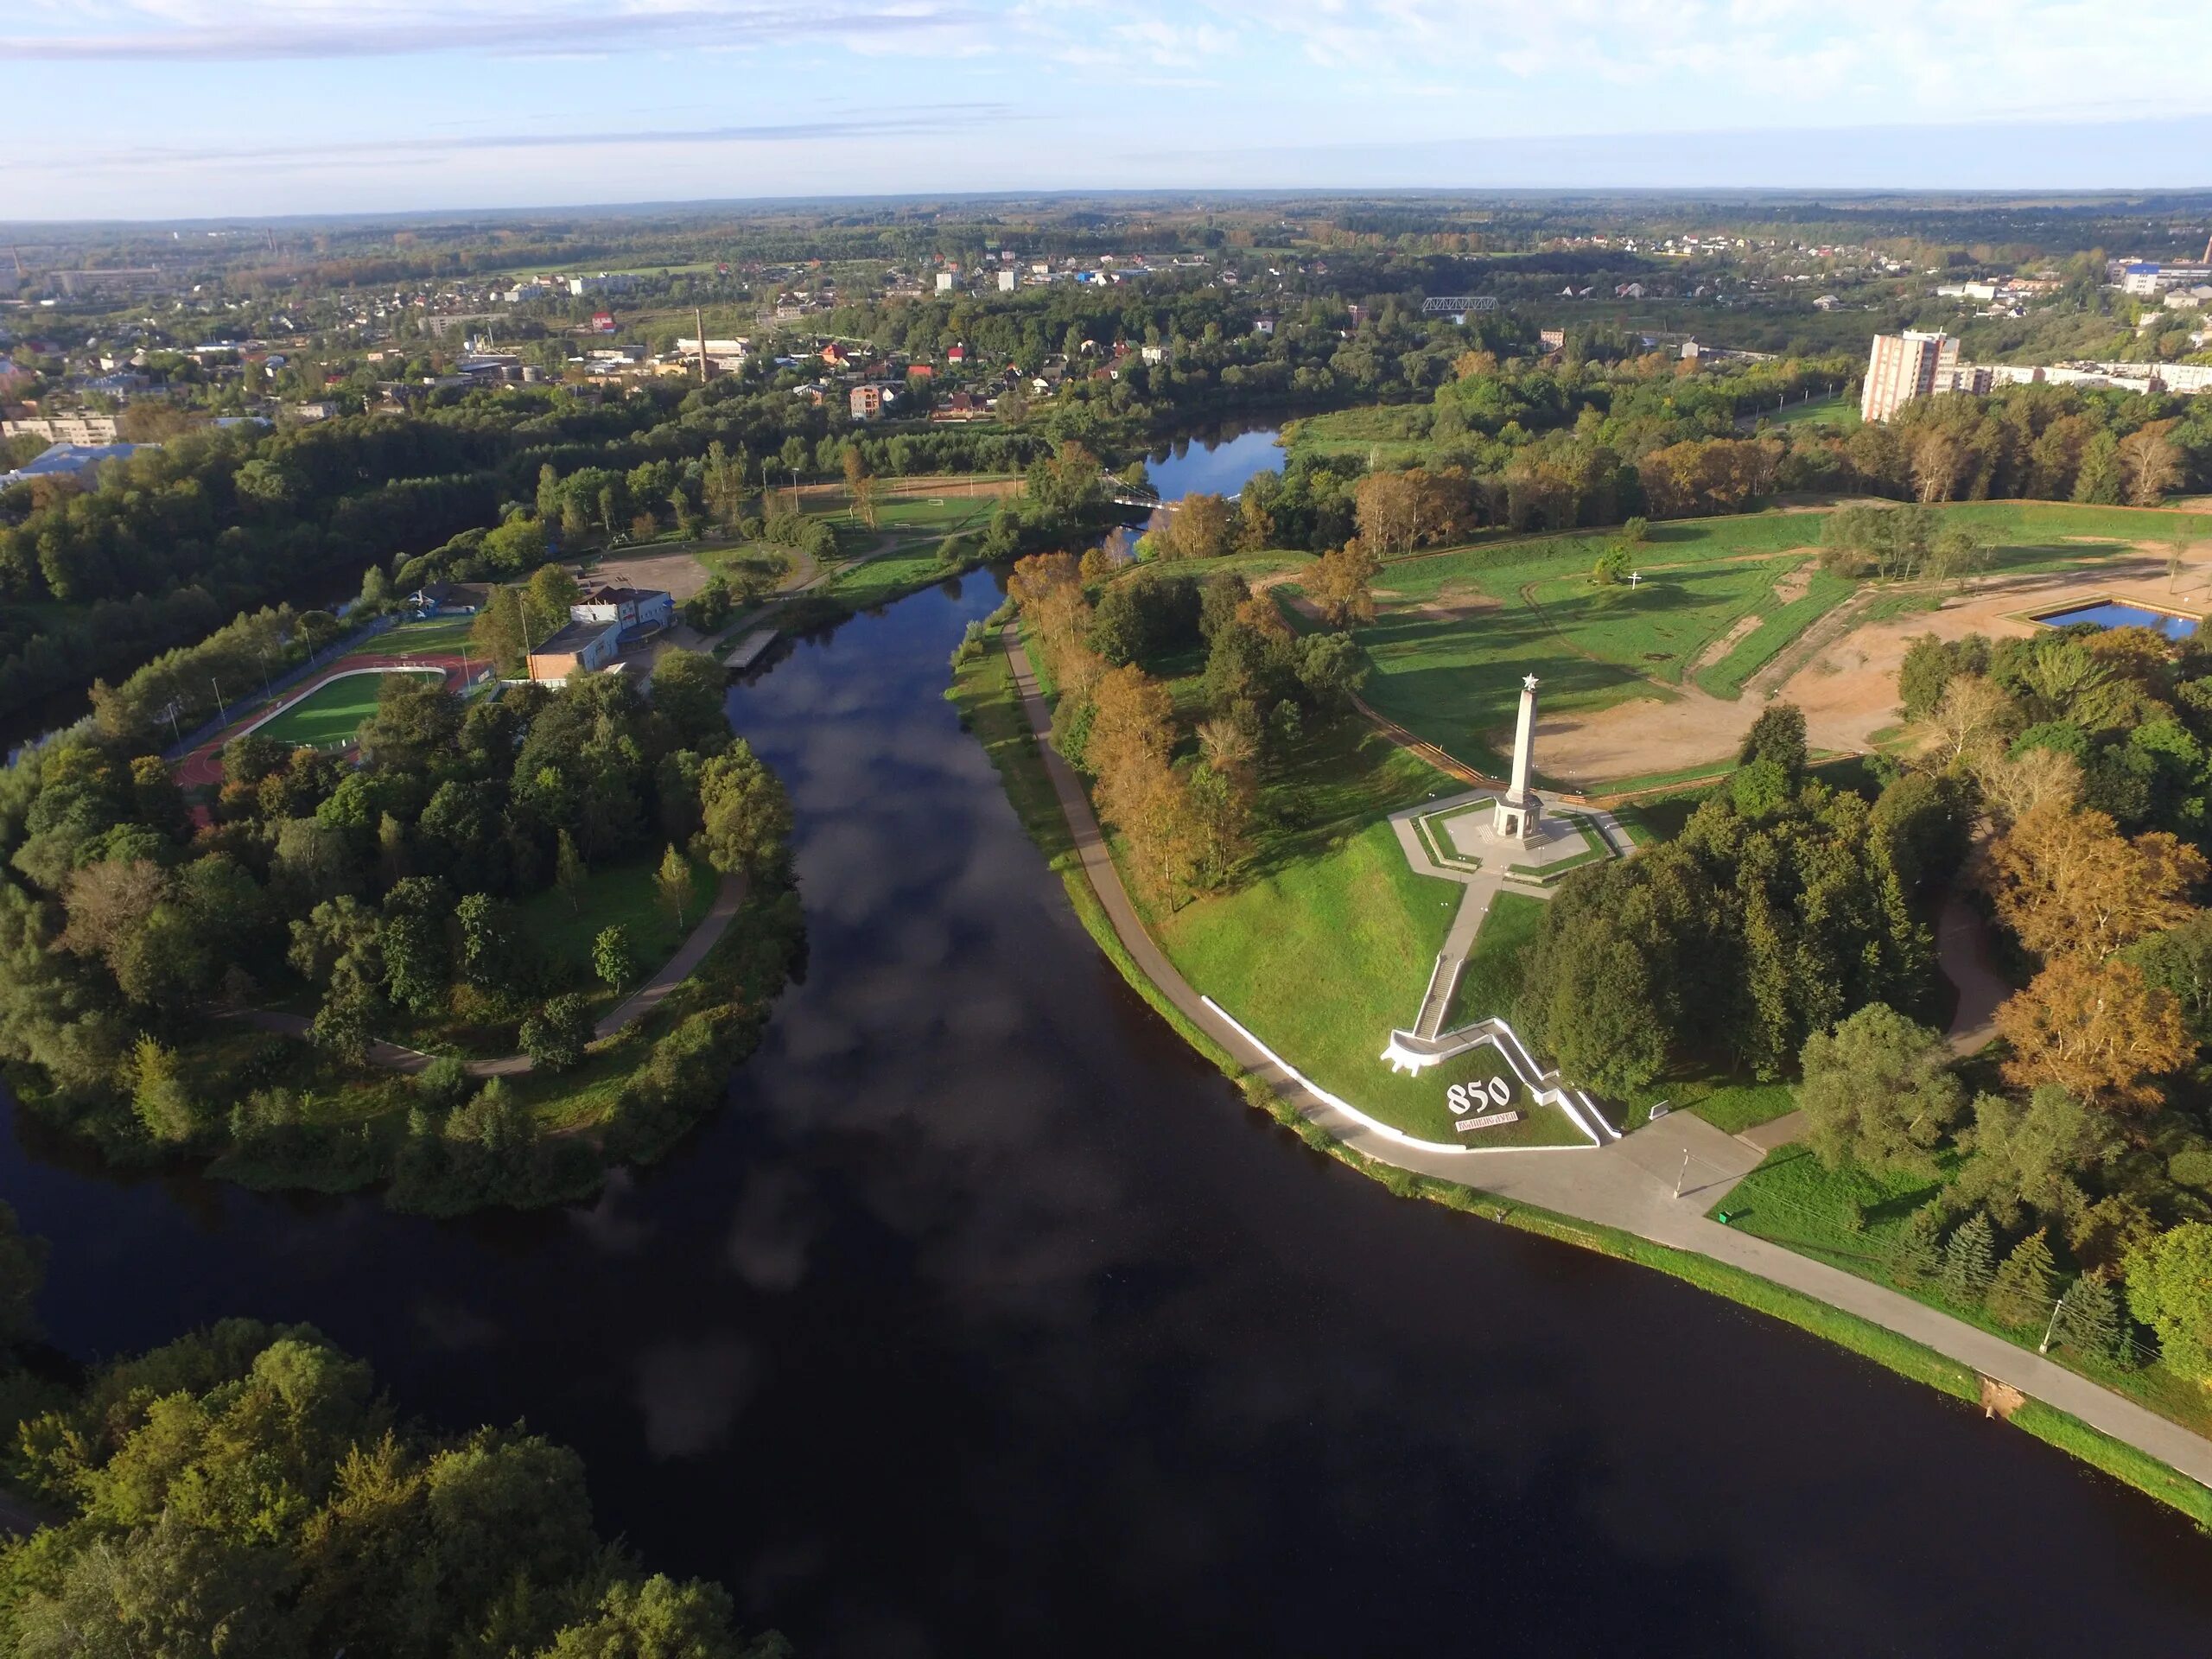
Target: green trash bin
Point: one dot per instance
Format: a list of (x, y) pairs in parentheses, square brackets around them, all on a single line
[(1722, 1216)]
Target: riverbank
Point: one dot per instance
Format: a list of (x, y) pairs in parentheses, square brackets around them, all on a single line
[(1612, 1200)]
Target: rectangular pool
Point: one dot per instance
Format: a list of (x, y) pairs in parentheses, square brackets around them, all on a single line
[(2113, 613)]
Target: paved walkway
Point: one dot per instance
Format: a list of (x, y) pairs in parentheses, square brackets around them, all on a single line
[(397, 1056), (1630, 1184)]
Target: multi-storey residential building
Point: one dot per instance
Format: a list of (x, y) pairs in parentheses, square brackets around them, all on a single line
[(1902, 367)]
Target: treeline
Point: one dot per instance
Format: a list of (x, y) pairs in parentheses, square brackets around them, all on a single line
[(2065, 1177), (1782, 906), (249, 1489), (1186, 819)]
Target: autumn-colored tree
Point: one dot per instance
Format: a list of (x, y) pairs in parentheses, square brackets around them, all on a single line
[(1387, 510), (1135, 717), (1339, 584), (2096, 1028), (2150, 464), (1973, 718), (2014, 785), (860, 484), (1201, 526), (2067, 882)]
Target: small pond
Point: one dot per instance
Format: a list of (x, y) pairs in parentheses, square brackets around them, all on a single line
[(2114, 614)]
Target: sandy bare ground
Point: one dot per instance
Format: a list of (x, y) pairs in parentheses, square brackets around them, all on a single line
[(1843, 674), (677, 575)]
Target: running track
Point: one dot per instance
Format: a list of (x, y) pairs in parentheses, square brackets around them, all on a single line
[(203, 767)]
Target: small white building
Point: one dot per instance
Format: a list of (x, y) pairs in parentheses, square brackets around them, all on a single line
[(635, 612)]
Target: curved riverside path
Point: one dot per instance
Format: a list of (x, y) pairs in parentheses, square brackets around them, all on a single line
[(1630, 1184), (396, 1057)]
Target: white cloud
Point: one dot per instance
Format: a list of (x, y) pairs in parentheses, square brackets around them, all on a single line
[(253, 31)]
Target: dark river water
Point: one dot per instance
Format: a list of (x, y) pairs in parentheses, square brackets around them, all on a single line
[(987, 1321)]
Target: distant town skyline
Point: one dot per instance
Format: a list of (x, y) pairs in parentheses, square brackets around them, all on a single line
[(169, 108)]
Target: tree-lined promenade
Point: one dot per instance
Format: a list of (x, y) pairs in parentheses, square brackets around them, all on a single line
[(1774, 944)]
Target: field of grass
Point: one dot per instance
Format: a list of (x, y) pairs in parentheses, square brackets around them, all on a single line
[(1457, 630), (1849, 1218), (438, 633), (1492, 978), (621, 893), (1840, 410), (1396, 432), (330, 713), (880, 580)]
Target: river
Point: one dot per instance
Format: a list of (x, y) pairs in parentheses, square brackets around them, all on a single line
[(1216, 459), (987, 1320)]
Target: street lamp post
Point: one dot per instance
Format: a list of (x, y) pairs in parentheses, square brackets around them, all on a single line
[(2050, 1329), (222, 709)]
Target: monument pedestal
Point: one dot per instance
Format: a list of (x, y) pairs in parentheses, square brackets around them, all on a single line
[(1518, 810), (1512, 820)]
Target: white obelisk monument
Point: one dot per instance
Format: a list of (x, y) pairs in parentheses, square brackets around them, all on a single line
[(1518, 809)]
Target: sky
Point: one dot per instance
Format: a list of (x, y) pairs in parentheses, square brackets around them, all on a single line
[(166, 109)]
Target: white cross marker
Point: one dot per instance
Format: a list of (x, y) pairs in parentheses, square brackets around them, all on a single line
[(1634, 576)]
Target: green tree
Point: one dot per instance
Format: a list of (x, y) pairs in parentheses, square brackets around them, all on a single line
[(1915, 1254), (1879, 1091), (168, 1589), (662, 1620), (488, 947), (1778, 735), (689, 687), (2089, 1319), (2022, 1292), (569, 875), (556, 1035), (2170, 1289), (2029, 1153), (613, 958), (1968, 1262), (414, 962), (158, 1095), (546, 599), (672, 885), (745, 816)]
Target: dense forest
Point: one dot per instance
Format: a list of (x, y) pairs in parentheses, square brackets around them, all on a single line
[(384, 892)]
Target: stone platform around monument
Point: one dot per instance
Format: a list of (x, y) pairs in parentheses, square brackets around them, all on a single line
[(1454, 838)]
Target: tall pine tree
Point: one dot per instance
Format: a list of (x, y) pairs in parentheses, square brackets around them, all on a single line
[(1915, 1257), (1969, 1262), (2089, 1321), (2021, 1293)]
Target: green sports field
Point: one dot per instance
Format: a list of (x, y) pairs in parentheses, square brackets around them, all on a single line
[(330, 713)]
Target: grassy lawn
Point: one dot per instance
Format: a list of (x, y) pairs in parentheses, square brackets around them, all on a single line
[(1326, 949), (1398, 431), (330, 713), (880, 580), (1456, 631), (621, 893), (1840, 409), (441, 633), (1492, 978), (1779, 626), (738, 561), (1849, 1218)]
